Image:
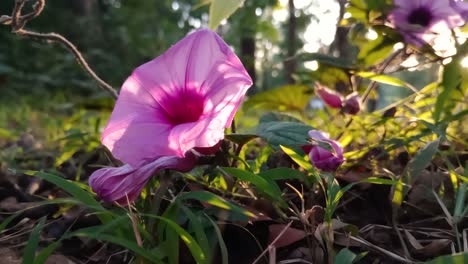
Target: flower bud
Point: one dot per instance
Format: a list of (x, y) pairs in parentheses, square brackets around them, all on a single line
[(329, 97), (322, 158), (352, 104)]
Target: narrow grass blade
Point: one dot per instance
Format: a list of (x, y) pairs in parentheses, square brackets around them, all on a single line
[(302, 162), (69, 186), (269, 188), (222, 245), (213, 199), (197, 226), (191, 243), (46, 252), (29, 252)]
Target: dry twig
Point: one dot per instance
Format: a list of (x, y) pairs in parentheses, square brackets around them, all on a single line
[(17, 21)]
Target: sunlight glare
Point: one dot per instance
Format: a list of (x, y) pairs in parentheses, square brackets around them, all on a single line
[(464, 62), (322, 32), (398, 46), (311, 65), (371, 35)]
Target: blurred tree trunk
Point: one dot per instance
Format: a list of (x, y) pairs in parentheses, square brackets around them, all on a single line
[(290, 63), (247, 44), (248, 55), (340, 47), (89, 27), (84, 7)]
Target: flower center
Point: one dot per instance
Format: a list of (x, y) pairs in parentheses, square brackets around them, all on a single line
[(420, 16), (186, 107)]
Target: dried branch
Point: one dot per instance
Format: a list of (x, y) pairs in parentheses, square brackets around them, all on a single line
[(17, 21)]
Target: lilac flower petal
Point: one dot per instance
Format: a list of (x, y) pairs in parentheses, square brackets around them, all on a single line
[(180, 100), (422, 22), (405, 4), (461, 7), (318, 135), (116, 184), (125, 183)]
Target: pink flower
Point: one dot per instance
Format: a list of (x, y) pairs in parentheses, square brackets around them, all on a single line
[(352, 104), (421, 22), (323, 158), (181, 100), (329, 97)]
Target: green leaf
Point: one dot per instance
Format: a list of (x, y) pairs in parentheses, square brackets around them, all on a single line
[(446, 100), (460, 202), (345, 256), (331, 76), (152, 256), (70, 187), (305, 164), (8, 220), (222, 9), (326, 60), (386, 80), (450, 259), (278, 116), (299, 159), (46, 252), (357, 13), (222, 245), (414, 168), (213, 199), (284, 133), (376, 4), (284, 98), (422, 159), (191, 243), (268, 187), (377, 180), (361, 4), (375, 51), (6, 134), (168, 236), (240, 139), (118, 223), (196, 225), (29, 252), (282, 174)]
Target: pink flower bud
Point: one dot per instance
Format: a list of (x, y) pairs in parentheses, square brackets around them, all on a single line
[(352, 104), (323, 158), (329, 97)]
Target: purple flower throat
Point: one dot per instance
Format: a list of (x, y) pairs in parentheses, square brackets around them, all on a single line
[(185, 107), (420, 16)]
